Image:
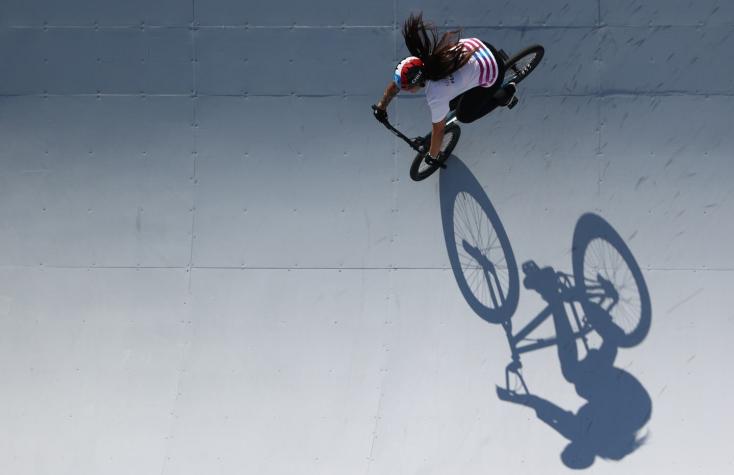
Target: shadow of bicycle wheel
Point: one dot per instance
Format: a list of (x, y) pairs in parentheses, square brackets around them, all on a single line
[(610, 279), (479, 250)]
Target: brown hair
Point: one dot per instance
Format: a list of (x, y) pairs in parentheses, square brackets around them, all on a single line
[(441, 57)]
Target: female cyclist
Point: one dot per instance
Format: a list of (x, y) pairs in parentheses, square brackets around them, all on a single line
[(458, 74)]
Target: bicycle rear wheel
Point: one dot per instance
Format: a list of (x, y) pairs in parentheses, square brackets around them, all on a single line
[(611, 288), (520, 65), (420, 170)]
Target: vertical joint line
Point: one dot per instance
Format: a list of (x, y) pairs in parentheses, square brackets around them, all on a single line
[(598, 125), (194, 144), (395, 173), (600, 161), (192, 32)]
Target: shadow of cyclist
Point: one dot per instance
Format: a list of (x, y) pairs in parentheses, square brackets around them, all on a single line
[(617, 406)]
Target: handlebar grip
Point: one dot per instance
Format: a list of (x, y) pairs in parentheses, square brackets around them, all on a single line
[(380, 114)]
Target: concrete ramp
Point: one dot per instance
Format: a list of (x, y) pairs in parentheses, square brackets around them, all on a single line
[(214, 259)]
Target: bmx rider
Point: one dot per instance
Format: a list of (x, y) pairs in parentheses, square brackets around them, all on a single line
[(464, 75)]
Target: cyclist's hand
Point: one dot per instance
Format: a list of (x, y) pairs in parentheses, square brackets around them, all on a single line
[(380, 114)]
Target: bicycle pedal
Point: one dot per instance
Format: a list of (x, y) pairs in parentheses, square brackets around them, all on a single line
[(513, 103)]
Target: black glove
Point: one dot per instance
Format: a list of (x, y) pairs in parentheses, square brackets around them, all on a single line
[(380, 114)]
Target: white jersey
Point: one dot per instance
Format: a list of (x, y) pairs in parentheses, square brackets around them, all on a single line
[(481, 70)]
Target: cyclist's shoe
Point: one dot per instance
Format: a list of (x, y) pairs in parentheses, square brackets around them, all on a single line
[(435, 162), (510, 90)]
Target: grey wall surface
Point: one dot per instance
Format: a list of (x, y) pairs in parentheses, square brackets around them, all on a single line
[(214, 260)]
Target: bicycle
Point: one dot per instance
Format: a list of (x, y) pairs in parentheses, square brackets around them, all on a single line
[(517, 68)]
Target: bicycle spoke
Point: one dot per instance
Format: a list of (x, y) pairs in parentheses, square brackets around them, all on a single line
[(593, 287), (603, 261)]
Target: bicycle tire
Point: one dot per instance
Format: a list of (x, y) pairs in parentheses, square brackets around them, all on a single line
[(419, 169), (516, 70), (628, 320)]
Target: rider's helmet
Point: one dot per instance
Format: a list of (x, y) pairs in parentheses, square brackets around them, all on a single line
[(409, 73)]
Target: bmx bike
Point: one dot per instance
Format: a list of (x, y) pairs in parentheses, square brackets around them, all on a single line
[(517, 68)]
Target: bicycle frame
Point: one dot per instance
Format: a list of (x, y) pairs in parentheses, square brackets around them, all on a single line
[(564, 293), (567, 297)]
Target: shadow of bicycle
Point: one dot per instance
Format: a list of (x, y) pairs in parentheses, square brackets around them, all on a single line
[(613, 298)]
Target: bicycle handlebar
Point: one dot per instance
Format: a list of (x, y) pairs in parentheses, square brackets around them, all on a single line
[(402, 136)]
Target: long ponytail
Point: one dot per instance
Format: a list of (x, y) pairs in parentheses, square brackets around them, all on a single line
[(441, 57)]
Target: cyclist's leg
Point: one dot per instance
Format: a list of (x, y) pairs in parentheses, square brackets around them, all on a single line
[(478, 102), (503, 95), (500, 58), (568, 354)]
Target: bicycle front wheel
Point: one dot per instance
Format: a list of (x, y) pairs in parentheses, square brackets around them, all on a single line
[(611, 288), (420, 170), (520, 65)]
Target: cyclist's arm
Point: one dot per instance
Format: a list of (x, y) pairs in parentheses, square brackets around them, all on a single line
[(437, 137), (390, 91)]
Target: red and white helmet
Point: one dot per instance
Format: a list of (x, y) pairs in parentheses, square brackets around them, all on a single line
[(409, 72)]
